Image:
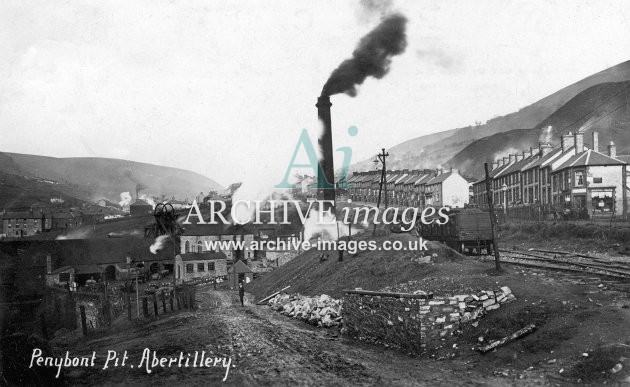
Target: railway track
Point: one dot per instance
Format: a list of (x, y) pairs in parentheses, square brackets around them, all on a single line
[(617, 272)]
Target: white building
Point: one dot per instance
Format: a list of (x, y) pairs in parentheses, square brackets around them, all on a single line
[(447, 189)]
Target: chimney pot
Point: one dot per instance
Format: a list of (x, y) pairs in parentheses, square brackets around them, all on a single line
[(612, 149)]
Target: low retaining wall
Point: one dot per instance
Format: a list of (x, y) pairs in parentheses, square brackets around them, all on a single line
[(414, 322)]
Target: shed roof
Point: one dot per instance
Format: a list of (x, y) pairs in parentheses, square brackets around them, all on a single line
[(207, 256), (240, 267)]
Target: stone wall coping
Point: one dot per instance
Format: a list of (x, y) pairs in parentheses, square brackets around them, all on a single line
[(428, 296)]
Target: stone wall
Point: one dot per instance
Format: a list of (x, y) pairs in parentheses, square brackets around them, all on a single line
[(414, 322)]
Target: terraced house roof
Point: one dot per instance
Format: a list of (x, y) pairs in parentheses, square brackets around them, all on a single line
[(589, 158)]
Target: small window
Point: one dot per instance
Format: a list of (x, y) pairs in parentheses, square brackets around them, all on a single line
[(210, 266), (579, 178), (190, 268), (597, 180), (201, 267)]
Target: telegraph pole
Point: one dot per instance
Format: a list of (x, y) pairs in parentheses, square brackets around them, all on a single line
[(497, 261), (382, 157)]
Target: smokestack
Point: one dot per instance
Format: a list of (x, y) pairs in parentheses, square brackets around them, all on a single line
[(612, 149), (326, 171), (579, 142), (566, 141), (595, 141)]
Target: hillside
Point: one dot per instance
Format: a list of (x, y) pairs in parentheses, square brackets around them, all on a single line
[(426, 152), (604, 108), (95, 178), (17, 191)]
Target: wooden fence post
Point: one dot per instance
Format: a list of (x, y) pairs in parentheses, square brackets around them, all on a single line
[(155, 306), (145, 307), (128, 300), (192, 298), (83, 320)]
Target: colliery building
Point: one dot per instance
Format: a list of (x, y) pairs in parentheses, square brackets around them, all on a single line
[(411, 188), (590, 182), (140, 208)]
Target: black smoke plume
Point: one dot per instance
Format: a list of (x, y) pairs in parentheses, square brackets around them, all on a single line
[(372, 57)]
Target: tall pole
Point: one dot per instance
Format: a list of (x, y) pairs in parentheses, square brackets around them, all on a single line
[(382, 158), (495, 247), (137, 295)]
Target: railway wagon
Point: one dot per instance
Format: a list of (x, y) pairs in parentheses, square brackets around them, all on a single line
[(467, 229)]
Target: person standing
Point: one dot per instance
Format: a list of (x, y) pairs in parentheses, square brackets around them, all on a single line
[(241, 292)]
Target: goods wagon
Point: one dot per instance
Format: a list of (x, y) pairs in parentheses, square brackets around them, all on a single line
[(467, 229)]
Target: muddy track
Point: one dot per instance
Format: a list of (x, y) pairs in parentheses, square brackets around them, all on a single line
[(271, 349)]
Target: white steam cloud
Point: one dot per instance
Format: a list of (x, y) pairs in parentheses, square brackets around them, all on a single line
[(125, 199), (158, 244)]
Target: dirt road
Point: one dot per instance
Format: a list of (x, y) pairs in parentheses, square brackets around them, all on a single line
[(266, 349)]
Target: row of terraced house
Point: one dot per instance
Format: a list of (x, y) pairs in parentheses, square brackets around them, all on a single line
[(571, 176), (410, 188)]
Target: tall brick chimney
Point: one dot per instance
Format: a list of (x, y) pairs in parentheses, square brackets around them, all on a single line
[(326, 174), (579, 142), (612, 149), (595, 141)]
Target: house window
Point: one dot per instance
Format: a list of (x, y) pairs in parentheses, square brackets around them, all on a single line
[(187, 247), (579, 178), (199, 247), (597, 180), (201, 267), (210, 266), (190, 268)]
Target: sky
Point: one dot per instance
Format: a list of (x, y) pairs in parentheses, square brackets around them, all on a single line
[(224, 88)]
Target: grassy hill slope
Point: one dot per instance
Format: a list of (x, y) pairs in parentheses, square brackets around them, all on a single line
[(604, 108), (107, 178), (428, 151)]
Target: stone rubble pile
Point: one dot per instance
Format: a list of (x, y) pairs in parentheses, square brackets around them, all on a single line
[(475, 305), (322, 311)]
